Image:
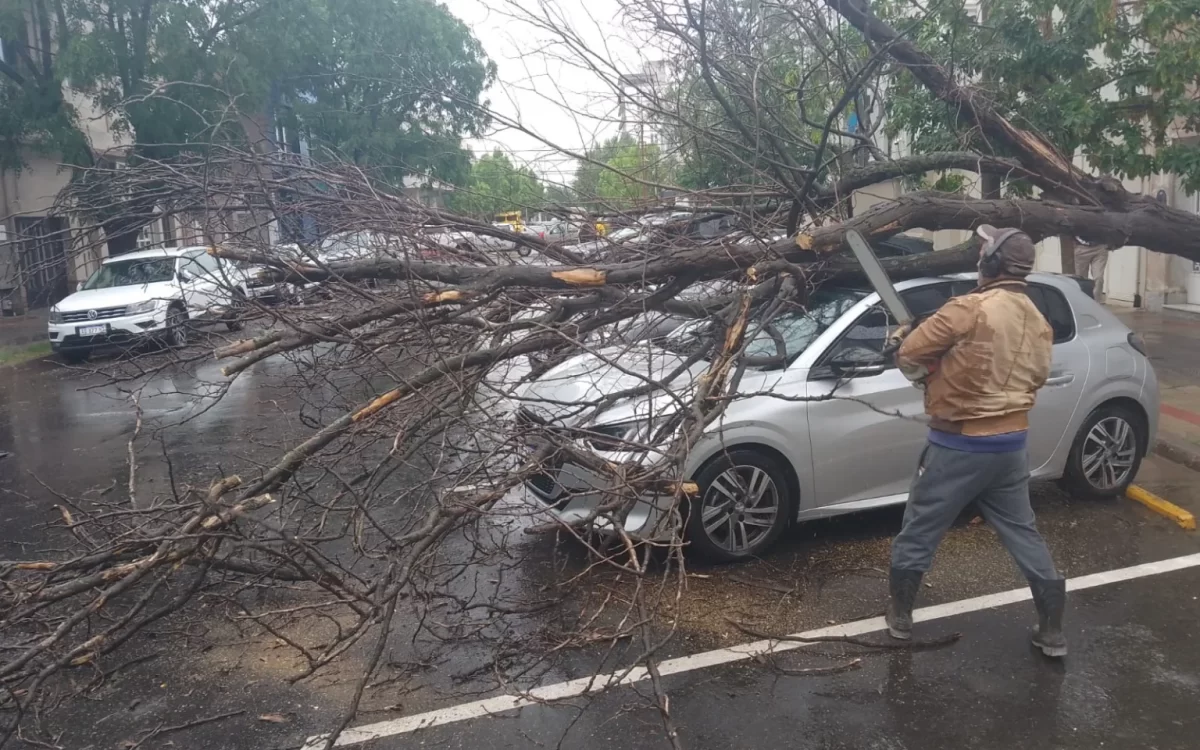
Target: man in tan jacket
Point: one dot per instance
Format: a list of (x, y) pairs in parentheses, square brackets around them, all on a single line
[(981, 359)]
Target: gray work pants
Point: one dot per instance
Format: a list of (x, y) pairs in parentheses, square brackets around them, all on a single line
[(946, 482)]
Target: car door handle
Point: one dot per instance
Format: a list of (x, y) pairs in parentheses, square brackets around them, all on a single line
[(1062, 378)]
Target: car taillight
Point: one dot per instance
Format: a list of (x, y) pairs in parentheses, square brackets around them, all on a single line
[(1137, 342)]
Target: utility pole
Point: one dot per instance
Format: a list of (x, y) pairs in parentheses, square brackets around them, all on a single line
[(638, 83)]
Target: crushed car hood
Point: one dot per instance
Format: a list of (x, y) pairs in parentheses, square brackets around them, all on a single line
[(567, 394)]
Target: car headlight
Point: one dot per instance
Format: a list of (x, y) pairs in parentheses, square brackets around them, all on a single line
[(145, 306), (55, 316), (620, 436)]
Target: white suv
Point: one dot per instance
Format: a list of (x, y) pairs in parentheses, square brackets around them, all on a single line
[(149, 295)]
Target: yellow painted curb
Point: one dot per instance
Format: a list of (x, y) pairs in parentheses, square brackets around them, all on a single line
[(1162, 507)]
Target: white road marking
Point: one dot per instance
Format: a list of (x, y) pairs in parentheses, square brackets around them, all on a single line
[(599, 683)]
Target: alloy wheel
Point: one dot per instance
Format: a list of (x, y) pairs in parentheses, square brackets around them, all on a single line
[(1109, 453), (740, 507)]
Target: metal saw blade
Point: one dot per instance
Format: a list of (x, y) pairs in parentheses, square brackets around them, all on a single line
[(878, 277)]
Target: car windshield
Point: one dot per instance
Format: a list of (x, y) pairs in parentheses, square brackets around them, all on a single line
[(789, 332), (623, 234), (132, 273)]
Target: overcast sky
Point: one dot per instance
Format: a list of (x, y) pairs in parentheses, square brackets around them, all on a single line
[(541, 85)]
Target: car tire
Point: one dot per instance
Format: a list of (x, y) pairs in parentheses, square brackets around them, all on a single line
[(176, 328), (524, 251), (75, 356), (716, 514), (1107, 453), (233, 318)]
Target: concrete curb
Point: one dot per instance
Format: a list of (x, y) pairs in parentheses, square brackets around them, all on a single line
[(1179, 453), (1183, 518)]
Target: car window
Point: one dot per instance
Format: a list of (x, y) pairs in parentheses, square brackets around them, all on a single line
[(1055, 308), (926, 300), (800, 326), (865, 340), (190, 265), (208, 263), (795, 328)]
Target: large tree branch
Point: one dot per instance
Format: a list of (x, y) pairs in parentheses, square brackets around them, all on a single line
[(1148, 224), (875, 172), (1034, 151)]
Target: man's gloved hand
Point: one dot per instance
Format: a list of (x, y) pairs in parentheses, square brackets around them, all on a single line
[(915, 373), (896, 338)]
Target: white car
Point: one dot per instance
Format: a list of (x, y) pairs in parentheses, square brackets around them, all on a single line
[(149, 295)]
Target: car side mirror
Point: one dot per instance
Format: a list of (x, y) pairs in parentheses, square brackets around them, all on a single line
[(184, 277), (858, 363), (79, 286)]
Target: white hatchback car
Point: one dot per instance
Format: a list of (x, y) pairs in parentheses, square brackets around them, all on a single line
[(148, 295), (822, 422)]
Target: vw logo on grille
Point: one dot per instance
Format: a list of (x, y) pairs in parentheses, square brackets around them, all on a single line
[(92, 314)]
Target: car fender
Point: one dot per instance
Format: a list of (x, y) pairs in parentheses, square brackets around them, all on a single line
[(724, 436), (1104, 391)]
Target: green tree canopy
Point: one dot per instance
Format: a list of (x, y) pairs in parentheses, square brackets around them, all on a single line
[(1113, 82), (391, 85), (586, 185), (633, 171), (496, 185)]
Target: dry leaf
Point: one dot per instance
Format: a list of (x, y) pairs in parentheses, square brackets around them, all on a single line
[(273, 718)]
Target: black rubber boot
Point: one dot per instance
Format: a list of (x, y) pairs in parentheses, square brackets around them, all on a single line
[(904, 585), (1050, 598)]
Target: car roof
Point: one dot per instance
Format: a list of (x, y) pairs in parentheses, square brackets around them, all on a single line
[(162, 252), (1053, 279)]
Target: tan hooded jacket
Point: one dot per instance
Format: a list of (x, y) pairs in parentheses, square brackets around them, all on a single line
[(988, 353)]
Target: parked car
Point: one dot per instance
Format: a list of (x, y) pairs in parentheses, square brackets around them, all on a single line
[(261, 286), (560, 232), (593, 248), (149, 295), (769, 462), (351, 246)]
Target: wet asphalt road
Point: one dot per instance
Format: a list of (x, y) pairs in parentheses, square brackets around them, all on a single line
[(1132, 680)]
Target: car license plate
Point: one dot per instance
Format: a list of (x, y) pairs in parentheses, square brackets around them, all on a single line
[(99, 330)]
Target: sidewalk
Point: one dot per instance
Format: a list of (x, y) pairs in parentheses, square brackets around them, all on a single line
[(1173, 342), (22, 330)]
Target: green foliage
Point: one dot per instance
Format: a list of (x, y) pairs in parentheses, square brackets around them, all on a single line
[(392, 85), (586, 185), (631, 177), (1041, 62), (619, 173), (496, 186), (556, 195), (388, 84)]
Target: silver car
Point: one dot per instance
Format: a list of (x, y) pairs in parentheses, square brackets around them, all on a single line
[(824, 424)]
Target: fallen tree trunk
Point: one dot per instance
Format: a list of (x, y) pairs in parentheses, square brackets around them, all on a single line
[(1147, 224)]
